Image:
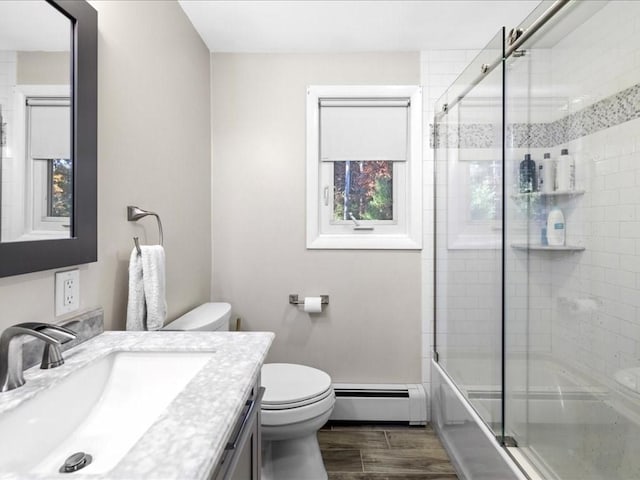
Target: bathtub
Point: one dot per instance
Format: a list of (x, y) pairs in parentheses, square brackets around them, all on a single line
[(566, 424)]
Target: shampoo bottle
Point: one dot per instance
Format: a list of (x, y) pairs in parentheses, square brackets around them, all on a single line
[(566, 172), (528, 178), (555, 228), (547, 175)]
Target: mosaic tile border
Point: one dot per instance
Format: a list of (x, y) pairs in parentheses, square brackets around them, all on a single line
[(621, 107)]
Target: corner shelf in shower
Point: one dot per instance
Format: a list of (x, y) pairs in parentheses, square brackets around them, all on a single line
[(563, 248), (534, 195)]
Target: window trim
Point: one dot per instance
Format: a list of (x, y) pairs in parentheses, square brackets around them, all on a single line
[(411, 237)]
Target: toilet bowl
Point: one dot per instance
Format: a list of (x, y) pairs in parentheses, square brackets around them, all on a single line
[(297, 402)]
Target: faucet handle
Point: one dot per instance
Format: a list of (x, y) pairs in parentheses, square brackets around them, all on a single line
[(36, 329), (61, 333)]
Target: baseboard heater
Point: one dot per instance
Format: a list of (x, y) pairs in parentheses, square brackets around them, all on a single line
[(380, 403)]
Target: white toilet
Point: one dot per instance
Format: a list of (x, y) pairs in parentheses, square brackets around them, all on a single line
[(298, 400)]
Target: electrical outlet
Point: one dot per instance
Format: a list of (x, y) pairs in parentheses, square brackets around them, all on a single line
[(67, 291)]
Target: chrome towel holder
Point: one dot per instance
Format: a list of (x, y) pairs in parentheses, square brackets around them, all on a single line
[(136, 213)]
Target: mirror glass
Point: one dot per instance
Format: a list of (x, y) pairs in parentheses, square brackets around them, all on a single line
[(36, 163)]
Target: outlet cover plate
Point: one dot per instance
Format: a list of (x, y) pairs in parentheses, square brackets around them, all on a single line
[(67, 291)]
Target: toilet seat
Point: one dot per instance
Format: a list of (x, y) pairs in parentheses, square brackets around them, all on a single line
[(273, 418), (287, 406), (294, 393), (288, 383)]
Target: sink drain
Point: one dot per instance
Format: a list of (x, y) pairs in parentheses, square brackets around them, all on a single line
[(76, 462)]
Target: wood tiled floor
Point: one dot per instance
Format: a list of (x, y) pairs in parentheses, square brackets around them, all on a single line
[(383, 452)]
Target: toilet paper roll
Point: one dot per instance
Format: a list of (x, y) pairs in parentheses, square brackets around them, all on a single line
[(312, 304)]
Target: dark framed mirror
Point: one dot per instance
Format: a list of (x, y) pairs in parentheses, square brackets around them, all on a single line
[(48, 135)]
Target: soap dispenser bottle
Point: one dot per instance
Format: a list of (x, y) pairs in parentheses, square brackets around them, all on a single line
[(528, 178), (555, 228)]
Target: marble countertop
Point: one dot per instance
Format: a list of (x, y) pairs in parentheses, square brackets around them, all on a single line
[(188, 439)]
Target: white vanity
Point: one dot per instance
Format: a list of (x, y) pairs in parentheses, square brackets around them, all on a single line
[(170, 405)]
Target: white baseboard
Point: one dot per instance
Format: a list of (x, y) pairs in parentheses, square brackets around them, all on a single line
[(380, 403)]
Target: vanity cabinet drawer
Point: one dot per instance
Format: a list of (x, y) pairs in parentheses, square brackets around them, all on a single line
[(241, 458)]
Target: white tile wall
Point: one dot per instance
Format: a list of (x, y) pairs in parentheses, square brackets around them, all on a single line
[(601, 332), (599, 329), (600, 57), (7, 82)]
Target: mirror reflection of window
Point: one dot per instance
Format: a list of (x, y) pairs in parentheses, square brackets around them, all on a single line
[(49, 165)]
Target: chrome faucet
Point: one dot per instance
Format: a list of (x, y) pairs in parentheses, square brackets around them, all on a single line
[(11, 374)]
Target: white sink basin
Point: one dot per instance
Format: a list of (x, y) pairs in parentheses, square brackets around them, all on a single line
[(102, 409)]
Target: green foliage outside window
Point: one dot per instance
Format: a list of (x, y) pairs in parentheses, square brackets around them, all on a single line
[(60, 187), (363, 190)]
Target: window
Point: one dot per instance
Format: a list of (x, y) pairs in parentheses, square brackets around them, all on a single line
[(364, 174)]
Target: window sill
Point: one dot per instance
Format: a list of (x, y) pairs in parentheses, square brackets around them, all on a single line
[(365, 241)]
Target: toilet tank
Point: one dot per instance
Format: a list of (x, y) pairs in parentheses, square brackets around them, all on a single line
[(213, 316)]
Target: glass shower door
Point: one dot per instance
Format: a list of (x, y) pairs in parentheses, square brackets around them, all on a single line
[(468, 148), (572, 280)]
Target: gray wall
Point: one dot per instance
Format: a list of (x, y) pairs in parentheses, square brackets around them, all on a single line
[(153, 151), (43, 68), (371, 330)]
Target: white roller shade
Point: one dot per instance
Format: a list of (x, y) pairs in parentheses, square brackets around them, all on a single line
[(363, 130), (50, 131)]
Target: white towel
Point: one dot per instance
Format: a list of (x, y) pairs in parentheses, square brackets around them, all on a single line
[(147, 307), (136, 308)]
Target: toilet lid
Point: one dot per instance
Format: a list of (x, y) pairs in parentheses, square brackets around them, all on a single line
[(209, 316), (286, 383)]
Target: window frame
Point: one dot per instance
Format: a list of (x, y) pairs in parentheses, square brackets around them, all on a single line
[(407, 233)]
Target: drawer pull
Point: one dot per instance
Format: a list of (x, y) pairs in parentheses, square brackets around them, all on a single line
[(233, 444)]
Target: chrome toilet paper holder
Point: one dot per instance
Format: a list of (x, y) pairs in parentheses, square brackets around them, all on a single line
[(294, 299)]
